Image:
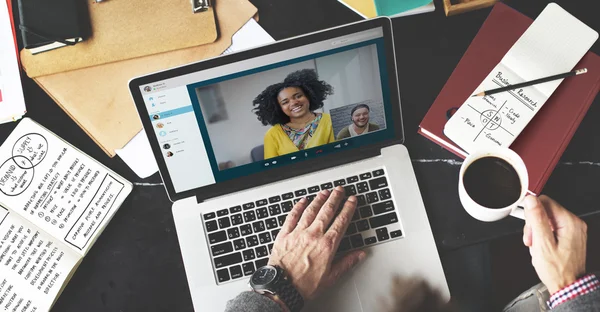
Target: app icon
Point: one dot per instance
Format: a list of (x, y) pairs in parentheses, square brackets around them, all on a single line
[(162, 133)]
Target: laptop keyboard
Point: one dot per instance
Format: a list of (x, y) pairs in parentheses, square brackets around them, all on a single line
[(241, 237)]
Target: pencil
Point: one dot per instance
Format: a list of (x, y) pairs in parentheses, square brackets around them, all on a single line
[(533, 82)]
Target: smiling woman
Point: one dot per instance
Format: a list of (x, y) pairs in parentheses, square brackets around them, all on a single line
[(289, 107)]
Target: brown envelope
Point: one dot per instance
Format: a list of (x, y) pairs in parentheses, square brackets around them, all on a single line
[(126, 29), (98, 98)]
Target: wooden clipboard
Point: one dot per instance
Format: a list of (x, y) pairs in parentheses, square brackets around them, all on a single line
[(125, 29)]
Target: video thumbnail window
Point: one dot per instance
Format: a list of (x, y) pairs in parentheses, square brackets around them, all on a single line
[(294, 107)]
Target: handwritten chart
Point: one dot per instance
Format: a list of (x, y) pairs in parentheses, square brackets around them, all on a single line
[(19, 170), (497, 119)]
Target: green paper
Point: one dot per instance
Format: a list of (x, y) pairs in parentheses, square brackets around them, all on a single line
[(393, 7)]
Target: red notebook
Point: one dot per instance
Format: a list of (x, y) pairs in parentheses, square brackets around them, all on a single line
[(545, 138), (12, 24)]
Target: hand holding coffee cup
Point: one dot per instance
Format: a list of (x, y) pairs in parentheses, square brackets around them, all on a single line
[(557, 241), (492, 184)]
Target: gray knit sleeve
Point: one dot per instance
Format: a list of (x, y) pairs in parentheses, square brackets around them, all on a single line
[(250, 301), (589, 302)]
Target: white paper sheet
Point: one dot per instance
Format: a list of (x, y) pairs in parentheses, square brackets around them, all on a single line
[(137, 154), (12, 102), (249, 36)]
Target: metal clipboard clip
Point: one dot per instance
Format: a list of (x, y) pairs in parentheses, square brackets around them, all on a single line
[(200, 5)]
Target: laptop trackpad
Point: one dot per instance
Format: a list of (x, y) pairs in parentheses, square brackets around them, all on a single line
[(367, 287), (343, 296)]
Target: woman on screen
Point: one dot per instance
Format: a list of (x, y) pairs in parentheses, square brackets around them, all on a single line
[(289, 107)]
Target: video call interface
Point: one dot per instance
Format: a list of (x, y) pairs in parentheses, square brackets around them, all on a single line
[(282, 113)]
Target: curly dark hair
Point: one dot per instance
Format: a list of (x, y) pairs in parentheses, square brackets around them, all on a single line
[(267, 108)]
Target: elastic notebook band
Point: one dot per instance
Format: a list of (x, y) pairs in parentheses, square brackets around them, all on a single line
[(451, 112), (47, 37)]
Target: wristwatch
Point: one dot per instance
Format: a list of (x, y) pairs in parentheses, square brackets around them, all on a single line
[(272, 280)]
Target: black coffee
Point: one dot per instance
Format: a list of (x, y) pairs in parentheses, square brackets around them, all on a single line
[(492, 182)]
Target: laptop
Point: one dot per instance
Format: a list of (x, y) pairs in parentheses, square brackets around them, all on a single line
[(233, 181)]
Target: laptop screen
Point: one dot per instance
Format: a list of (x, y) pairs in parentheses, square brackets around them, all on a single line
[(273, 110)]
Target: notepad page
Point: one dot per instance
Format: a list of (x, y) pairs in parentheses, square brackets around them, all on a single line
[(552, 45)]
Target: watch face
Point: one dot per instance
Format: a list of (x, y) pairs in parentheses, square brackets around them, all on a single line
[(264, 275)]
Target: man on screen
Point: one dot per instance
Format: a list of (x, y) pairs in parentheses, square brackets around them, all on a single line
[(289, 107), (360, 123)]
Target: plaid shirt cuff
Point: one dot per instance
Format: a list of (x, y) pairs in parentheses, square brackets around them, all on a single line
[(580, 287)]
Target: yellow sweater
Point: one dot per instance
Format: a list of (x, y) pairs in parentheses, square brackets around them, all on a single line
[(278, 143)]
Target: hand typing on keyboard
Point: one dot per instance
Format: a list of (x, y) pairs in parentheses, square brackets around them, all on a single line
[(308, 241)]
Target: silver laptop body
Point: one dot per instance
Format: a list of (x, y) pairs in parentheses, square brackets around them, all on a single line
[(229, 203)]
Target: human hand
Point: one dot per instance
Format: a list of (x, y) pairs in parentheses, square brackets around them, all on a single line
[(559, 257), (305, 247)]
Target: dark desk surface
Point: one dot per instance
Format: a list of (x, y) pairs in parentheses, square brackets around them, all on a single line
[(136, 264)]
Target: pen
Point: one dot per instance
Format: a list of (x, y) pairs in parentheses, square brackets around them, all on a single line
[(533, 82)]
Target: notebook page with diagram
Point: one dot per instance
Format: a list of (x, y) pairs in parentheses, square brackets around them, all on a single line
[(553, 44), (33, 265), (54, 203)]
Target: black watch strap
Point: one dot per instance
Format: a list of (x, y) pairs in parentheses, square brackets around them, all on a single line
[(289, 295)]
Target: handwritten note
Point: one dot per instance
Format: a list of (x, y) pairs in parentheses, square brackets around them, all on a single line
[(54, 202), (33, 267), (497, 119), (553, 44)]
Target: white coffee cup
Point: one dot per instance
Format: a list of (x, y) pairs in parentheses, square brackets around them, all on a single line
[(482, 213)]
